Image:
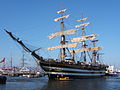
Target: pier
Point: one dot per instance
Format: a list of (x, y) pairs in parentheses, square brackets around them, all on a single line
[(16, 72)]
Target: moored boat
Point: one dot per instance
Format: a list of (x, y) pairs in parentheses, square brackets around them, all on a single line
[(64, 79), (3, 79), (86, 66), (111, 71)]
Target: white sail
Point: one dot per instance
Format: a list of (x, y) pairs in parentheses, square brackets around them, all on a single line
[(83, 19), (84, 38), (84, 24), (67, 32), (64, 46), (57, 19), (86, 49), (61, 11)]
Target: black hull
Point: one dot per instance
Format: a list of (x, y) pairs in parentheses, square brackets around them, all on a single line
[(56, 70)]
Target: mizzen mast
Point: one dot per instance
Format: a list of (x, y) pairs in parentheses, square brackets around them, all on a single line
[(83, 33), (94, 52)]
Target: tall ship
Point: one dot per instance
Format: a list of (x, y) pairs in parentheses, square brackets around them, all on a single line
[(87, 65)]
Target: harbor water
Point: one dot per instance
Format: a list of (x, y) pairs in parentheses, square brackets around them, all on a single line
[(42, 83)]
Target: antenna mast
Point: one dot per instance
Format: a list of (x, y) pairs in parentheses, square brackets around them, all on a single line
[(23, 59)]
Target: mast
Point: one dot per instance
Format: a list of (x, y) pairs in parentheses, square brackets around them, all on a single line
[(83, 36), (83, 43), (94, 52), (23, 60), (11, 62), (63, 41), (62, 50)]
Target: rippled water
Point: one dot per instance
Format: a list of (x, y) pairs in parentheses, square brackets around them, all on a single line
[(20, 83)]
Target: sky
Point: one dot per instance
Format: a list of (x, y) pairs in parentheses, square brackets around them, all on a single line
[(33, 22)]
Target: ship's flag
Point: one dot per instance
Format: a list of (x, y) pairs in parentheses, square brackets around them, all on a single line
[(3, 60)]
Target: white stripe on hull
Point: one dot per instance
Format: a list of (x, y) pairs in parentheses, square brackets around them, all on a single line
[(76, 74), (77, 70)]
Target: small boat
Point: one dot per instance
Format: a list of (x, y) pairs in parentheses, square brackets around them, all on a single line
[(114, 74), (111, 71), (64, 79), (3, 79)]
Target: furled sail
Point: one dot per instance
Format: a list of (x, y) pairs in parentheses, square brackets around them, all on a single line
[(64, 46), (86, 49), (61, 11), (67, 32), (84, 38), (83, 19), (84, 24), (57, 19)]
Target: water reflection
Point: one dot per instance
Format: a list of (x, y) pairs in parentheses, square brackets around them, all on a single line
[(71, 85), (42, 83), (83, 84)]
